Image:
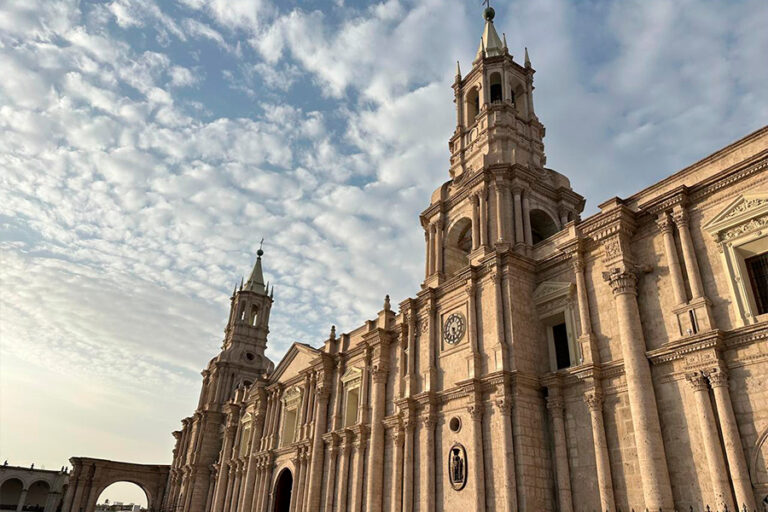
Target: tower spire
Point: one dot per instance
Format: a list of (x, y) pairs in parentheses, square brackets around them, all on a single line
[(256, 280), (490, 43)]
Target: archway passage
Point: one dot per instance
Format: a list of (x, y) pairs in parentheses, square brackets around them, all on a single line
[(90, 477), (10, 494), (283, 489), (122, 496)]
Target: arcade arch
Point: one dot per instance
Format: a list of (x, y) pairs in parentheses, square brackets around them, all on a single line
[(90, 477), (127, 489)]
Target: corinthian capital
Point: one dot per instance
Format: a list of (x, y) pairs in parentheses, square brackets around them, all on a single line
[(594, 399), (718, 378), (621, 281), (664, 222), (680, 216), (697, 380)]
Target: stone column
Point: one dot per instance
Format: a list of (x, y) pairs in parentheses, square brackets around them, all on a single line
[(519, 233), (235, 487), (504, 408), (258, 490), (230, 470), (711, 439), (318, 450), (428, 454), (432, 254), (471, 289), (563, 473), (375, 473), (473, 201), (22, 499), (344, 480), (483, 217), (396, 500), (478, 463), (408, 477), (527, 219), (428, 258), (208, 494), (333, 454), (670, 253), (500, 234), (594, 401), (651, 456), (734, 452), (439, 246), (357, 478), (581, 294), (689, 253)]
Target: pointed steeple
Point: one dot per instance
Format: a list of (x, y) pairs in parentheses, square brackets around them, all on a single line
[(490, 43), (527, 59), (458, 71), (255, 282)]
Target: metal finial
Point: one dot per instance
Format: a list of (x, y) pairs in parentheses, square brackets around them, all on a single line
[(260, 252), (488, 12)]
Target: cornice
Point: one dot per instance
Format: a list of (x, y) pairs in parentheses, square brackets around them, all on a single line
[(680, 349)]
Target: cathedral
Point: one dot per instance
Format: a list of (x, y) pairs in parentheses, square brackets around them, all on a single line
[(549, 362)]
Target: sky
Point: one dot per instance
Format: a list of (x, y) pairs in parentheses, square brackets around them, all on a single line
[(147, 147)]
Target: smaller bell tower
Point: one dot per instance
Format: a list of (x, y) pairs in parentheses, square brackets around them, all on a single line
[(248, 323)]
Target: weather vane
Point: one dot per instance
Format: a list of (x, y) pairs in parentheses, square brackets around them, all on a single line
[(487, 3)]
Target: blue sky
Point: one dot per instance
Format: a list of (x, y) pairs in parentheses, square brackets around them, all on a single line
[(147, 147)]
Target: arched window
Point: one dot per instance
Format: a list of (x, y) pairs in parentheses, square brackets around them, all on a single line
[(458, 245), (542, 226), (496, 93), (254, 316), (473, 105)]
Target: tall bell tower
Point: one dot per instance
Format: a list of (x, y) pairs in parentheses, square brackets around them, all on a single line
[(240, 364), (500, 195)]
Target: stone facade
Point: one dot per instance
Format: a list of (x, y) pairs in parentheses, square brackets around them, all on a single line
[(549, 362)]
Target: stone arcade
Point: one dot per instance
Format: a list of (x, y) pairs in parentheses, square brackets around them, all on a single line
[(549, 362)]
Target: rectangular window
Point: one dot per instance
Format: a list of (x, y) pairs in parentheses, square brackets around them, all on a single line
[(562, 353), (757, 266), (289, 427), (350, 415)]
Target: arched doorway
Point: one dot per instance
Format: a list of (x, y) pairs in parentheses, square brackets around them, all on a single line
[(283, 488), (10, 494), (122, 497)]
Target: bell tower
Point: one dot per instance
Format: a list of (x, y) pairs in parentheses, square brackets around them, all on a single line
[(495, 119), (500, 196)]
